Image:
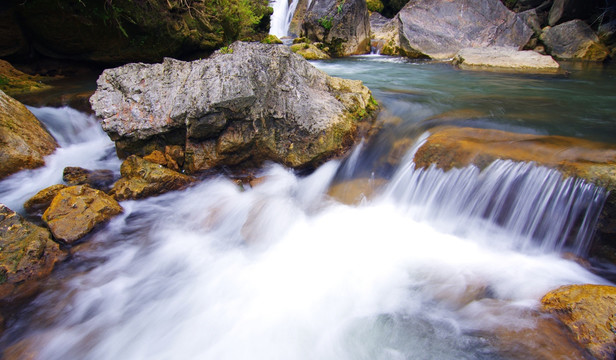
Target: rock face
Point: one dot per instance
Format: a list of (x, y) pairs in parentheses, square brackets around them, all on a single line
[(28, 256), (13, 81), (574, 40), (497, 57), (440, 28), (251, 103), (590, 313), (341, 25), (141, 178), (385, 34), (24, 141), (77, 210)]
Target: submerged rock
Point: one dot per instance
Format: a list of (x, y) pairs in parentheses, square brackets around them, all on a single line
[(27, 256), (77, 210), (574, 40), (141, 179), (343, 26), (101, 179), (503, 58), (24, 141), (590, 313), (440, 28), (251, 103)]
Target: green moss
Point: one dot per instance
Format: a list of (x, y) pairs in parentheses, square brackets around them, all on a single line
[(326, 22), (271, 39), (375, 5), (4, 80)]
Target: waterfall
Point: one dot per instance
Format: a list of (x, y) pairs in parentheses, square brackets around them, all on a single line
[(282, 16), (534, 206)]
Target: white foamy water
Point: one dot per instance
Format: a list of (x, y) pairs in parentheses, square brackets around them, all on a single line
[(280, 271), (282, 16), (82, 143)]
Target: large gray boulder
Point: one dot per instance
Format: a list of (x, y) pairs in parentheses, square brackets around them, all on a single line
[(251, 103), (342, 26), (439, 28), (574, 40)]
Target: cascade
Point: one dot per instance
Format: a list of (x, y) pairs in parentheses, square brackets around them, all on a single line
[(282, 16)]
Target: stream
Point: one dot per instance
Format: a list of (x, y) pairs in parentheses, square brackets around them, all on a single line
[(432, 265)]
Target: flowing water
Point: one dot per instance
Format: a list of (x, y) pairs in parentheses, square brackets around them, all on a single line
[(282, 16), (430, 266)]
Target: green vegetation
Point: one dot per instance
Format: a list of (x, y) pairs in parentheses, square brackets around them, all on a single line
[(375, 5), (4, 80), (226, 50), (326, 22), (271, 39)]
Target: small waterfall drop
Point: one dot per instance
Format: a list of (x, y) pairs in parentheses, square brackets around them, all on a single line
[(82, 143), (282, 16)]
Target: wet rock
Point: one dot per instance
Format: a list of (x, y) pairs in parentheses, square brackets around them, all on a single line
[(439, 28), (24, 141), (342, 26), (295, 27), (101, 179), (252, 103), (309, 51), (77, 210), (503, 59), (141, 179), (589, 311), (449, 147), (27, 256), (42, 199), (574, 40)]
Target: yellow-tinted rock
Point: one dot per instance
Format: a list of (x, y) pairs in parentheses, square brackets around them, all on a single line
[(23, 139), (141, 178), (77, 210), (590, 312), (449, 147), (41, 200), (309, 51), (13, 81), (27, 256)]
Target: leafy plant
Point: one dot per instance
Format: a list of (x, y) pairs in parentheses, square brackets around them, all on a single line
[(326, 22), (226, 50)]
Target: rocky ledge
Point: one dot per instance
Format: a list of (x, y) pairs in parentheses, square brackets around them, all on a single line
[(504, 59), (246, 104)]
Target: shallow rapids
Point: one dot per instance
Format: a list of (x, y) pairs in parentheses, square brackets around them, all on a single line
[(431, 265)]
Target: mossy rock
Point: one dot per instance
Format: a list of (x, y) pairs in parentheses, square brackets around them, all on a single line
[(271, 39), (309, 51), (375, 5), (14, 82), (27, 256)]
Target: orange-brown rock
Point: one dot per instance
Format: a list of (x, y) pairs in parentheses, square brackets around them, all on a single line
[(41, 200), (24, 141), (589, 311), (141, 179), (449, 147), (77, 210), (27, 256)]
